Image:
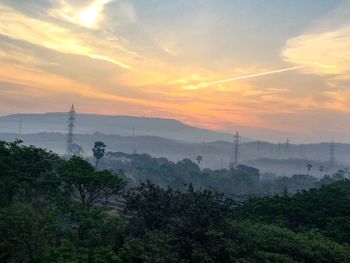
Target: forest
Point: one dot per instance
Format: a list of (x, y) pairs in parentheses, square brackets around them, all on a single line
[(55, 209), (238, 181)]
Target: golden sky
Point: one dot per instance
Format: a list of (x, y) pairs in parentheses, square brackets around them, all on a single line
[(214, 64)]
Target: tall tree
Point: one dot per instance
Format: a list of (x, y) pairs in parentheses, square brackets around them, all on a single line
[(99, 151), (308, 166), (199, 159)]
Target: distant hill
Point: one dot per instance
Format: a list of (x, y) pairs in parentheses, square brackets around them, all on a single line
[(267, 157), (118, 125)]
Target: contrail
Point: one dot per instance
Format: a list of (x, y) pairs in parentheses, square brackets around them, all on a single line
[(252, 75)]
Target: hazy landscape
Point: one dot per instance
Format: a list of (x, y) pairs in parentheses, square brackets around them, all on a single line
[(187, 131), (171, 139)]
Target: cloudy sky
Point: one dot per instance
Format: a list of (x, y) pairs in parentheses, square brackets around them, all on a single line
[(218, 64)]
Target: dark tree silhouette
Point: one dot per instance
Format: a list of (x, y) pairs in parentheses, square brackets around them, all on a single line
[(199, 159), (99, 151), (308, 166)]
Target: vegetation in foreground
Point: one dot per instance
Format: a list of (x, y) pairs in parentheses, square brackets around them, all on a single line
[(55, 210)]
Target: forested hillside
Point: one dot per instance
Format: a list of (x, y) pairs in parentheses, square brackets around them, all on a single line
[(56, 210)]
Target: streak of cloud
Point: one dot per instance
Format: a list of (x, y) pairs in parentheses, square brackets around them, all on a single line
[(252, 75), (209, 83)]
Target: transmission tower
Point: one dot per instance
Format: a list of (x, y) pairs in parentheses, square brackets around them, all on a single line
[(235, 151), (70, 134), (331, 155)]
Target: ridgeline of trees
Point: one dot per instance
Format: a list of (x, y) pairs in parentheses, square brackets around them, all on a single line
[(243, 180), (56, 210)]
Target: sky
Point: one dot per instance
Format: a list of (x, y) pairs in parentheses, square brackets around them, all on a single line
[(254, 65)]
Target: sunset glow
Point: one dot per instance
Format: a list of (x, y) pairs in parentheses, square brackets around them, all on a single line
[(213, 64)]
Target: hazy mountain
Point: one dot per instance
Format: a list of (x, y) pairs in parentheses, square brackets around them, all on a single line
[(119, 125), (159, 127)]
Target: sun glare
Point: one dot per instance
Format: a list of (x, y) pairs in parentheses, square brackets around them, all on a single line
[(89, 16)]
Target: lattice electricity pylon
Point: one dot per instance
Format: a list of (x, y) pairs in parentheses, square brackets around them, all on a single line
[(70, 134), (235, 151)]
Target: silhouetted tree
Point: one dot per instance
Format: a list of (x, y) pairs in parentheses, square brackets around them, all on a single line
[(308, 166), (199, 159), (99, 151)]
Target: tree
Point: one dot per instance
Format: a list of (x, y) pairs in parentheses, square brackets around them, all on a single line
[(308, 166), (199, 159), (314, 209), (27, 174), (339, 174), (155, 208), (99, 151), (51, 211), (90, 186)]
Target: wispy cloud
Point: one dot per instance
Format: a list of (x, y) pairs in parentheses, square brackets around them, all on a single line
[(325, 53), (18, 26), (324, 50)]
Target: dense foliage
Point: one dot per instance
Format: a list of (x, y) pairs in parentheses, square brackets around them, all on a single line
[(55, 210), (327, 210), (161, 171), (52, 210)]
